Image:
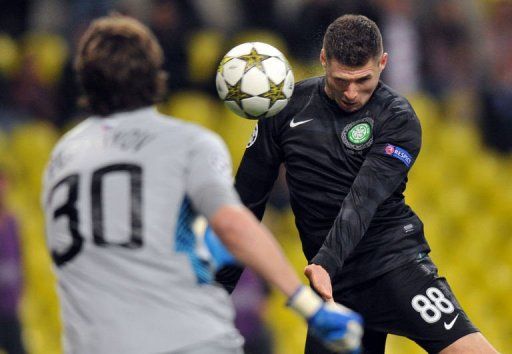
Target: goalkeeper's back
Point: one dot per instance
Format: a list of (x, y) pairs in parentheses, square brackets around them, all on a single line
[(120, 196)]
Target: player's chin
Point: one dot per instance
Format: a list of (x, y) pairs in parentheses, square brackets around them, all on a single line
[(350, 107)]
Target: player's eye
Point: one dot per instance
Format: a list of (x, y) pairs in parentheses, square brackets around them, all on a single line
[(363, 80)]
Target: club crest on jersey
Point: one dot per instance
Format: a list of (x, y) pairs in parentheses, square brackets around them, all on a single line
[(253, 137), (358, 135)]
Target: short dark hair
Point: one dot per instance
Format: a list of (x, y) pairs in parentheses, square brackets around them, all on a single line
[(119, 65), (352, 40)]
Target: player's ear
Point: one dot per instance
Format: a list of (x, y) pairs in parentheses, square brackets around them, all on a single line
[(383, 61), (323, 60)]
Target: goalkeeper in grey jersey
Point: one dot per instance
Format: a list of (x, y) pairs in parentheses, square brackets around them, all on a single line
[(121, 193)]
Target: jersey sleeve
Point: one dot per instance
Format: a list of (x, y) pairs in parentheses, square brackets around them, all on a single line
[(259, 167), (209, 182), (254, 180), (385, 168)]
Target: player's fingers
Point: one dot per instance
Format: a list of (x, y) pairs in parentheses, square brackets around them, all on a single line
[(316, 271), (324, 291), (319, 281), (320, 288), (327, 296), (327, 293), (309, 273)]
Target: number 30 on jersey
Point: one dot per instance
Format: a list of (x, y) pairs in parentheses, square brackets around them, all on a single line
[(70, 211)]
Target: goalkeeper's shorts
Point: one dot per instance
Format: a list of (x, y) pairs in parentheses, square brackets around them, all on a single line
[(412, 301)]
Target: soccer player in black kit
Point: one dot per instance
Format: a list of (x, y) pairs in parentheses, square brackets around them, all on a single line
[(348, 141)]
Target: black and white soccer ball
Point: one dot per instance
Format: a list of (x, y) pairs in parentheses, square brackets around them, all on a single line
[(255, 80)]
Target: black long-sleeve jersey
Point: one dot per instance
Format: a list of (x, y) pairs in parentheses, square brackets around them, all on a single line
[(346, 174)]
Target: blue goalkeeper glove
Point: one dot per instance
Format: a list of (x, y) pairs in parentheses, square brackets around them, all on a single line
[(339, 328), (220, 254)]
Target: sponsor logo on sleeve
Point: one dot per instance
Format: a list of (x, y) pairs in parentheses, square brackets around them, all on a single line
[(398, 153)]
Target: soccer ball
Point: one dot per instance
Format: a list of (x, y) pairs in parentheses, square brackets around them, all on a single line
[(255, 80)]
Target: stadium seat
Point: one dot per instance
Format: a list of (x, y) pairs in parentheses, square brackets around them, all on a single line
[(49, 52), (193, 106), (9, 55), (31, 145), (205, 48), (236, 132)]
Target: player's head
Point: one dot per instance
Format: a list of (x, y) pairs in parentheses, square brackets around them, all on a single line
[(353, 58), (119, 66)]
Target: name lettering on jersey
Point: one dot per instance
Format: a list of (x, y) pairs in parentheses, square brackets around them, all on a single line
[(358, 135), (398, 153), (134, 139)]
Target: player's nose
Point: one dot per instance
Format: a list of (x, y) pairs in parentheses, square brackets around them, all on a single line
[(350, 93)]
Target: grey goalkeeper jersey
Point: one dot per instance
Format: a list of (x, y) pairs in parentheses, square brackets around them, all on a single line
[(120, 197)]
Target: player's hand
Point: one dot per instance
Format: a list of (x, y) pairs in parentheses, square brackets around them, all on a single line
[(320, 280), (339, 328)]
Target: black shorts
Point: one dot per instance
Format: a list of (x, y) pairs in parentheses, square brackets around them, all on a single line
[(412, 301)]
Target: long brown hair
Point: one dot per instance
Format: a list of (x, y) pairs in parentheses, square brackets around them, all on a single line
[(119, 66)]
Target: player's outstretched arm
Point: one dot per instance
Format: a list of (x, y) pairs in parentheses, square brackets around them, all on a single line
[(252, 244)]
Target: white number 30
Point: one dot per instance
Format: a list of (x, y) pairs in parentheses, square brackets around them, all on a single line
[(431, 306)]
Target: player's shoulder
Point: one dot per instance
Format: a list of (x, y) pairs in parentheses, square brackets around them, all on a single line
[(190, 133), (303, 94), (168, 128), (78, 132), (393, 102), (308, 86), (305, 90), (395, 115)]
